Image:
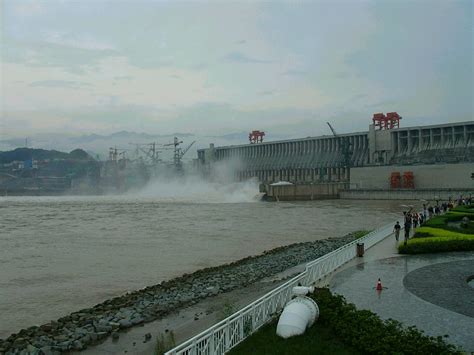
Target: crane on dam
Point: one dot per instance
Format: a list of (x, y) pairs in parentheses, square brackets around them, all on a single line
[(344, 146), (256, 137), (178, 152)]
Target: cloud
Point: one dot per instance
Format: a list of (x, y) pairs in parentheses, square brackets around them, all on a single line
[(240, 64), (295, 72), (238, 57), (28, 8), (68, 39), (72, 59), (76, 85)]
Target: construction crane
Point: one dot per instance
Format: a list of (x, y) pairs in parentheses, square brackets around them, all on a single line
[(344, 146), (116, 154), (332, 129), (178, 152), (151, 151)]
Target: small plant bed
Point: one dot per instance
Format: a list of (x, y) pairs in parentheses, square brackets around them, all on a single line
[(443, 233), (342, 329), (452, 220)]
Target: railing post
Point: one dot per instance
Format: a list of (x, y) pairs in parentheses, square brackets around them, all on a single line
[(226, 337), (211, 343)]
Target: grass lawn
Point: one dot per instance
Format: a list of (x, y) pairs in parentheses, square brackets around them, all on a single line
[(317, 340)]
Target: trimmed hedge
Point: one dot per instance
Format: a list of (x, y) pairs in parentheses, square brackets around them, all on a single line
[(437, 244), (424, 232), (365, 331)]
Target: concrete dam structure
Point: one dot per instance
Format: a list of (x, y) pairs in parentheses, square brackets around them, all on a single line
[(347, 158)]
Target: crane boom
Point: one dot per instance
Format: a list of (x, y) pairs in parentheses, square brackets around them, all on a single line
[(185, 150), (332, 129)]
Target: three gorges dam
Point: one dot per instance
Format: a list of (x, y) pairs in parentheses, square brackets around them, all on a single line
[(385, 162)]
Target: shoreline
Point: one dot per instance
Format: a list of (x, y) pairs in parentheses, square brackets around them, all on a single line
[(93, 325)]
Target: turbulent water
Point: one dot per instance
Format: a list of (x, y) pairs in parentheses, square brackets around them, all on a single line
[(61, 254)]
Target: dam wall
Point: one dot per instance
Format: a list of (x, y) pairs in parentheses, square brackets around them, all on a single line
[(296, 160), (438, 155), (445, 143), (323, 158)]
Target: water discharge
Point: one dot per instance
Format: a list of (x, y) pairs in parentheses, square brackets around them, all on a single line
[(194, 189)]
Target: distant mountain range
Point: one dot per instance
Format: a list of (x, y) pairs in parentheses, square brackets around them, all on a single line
[(98, 145), (23, 154)]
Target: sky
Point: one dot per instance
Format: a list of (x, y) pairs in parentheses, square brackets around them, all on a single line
[(217, 67)]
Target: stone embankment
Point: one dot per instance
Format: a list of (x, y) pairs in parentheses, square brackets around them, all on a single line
[(89, 326)]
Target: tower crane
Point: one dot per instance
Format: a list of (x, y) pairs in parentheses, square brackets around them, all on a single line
[(117, 154), (151, 151), (178, 152), (344, 146), (332, 129)]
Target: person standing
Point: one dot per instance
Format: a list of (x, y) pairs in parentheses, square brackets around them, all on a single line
[(415, 220), (430, 211), (396, 229), (407, 226)]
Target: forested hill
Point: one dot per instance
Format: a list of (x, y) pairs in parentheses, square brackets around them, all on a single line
[(22, 154)]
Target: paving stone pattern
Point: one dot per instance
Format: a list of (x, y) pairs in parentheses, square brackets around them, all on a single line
[(444, 284)]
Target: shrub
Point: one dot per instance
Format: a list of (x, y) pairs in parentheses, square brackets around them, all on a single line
[(436, 222), (438, 244)]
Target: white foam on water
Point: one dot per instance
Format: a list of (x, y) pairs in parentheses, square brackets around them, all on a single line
[(193, 189)]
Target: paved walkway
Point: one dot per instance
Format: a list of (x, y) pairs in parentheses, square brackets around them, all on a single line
[(428, 291)]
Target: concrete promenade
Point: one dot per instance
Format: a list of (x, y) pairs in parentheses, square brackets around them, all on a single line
[(428, 291)]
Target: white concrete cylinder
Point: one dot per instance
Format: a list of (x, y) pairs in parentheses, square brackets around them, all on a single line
[(299, 314)]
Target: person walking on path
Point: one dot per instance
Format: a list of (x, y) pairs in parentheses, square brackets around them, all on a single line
[(396, 229)]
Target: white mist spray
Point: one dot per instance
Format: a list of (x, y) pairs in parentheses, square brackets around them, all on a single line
[(221, 187)]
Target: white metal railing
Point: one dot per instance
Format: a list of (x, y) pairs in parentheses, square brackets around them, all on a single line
[(229, 332)]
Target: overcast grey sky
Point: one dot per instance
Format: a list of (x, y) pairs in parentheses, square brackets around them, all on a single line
[(215, 67)]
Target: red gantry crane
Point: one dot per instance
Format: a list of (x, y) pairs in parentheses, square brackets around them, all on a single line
[(256, 137), (391, 121)]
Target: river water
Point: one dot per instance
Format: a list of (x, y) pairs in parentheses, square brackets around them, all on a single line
[(61, 254)]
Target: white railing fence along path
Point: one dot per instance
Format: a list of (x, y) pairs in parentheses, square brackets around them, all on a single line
[(226, 334)]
